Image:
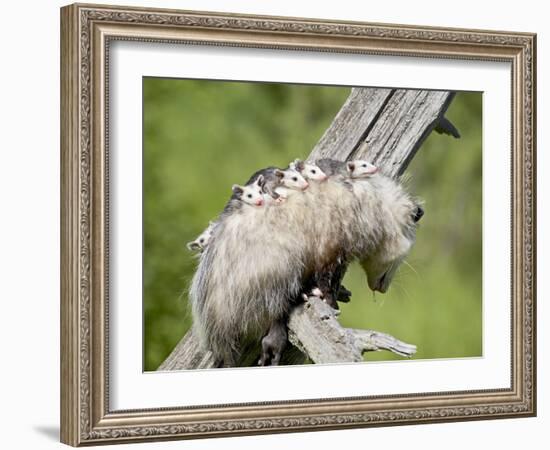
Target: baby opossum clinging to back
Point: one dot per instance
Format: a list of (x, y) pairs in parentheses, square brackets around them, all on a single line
[(251, 194), (266, 186)]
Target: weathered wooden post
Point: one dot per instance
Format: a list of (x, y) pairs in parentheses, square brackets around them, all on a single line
[(387, 127)]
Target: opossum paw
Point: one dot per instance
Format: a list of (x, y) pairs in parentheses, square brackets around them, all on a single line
[(316, 292), (344, 295), (273, 345), (271, 357)]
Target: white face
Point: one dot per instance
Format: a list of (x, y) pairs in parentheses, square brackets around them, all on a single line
[(361, 169), (205, 237), (251, 194), (313, 172), (292, 179)]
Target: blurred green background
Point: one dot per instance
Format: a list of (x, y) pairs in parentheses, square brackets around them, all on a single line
[(200, 137)]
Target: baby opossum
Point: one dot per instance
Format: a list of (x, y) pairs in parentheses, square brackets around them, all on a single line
[(251, 193), (347, 169), (327, 281), (200, 243), (308, 171), (263, 258), (278, 182)]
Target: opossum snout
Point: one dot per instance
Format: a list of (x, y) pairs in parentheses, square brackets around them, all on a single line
[(259, 202), (305, 186), (380, 286)]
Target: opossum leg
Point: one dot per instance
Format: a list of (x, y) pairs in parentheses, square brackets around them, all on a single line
[(274, 343), (338, 271), (271, 192), (323, 283), (329, 282)]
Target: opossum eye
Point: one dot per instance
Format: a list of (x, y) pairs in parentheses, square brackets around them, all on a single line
[(313, 171), (364, 165), (294, 178), (201, 240), (249, 195), (418, 214)]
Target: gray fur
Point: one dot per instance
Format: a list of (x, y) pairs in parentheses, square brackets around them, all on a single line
[(262, 258), (332, 167), (272, 178)]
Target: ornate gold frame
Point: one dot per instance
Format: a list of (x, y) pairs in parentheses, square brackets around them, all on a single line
[(86, 31)]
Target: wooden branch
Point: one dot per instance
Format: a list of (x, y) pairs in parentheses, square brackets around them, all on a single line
[(386, 127), (351, 124), (406, 121), (188, 355), (314, 329)]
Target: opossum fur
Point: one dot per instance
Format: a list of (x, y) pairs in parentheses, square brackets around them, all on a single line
[(261, 258)]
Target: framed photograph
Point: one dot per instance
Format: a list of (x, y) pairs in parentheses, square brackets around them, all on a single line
[(276, 224)]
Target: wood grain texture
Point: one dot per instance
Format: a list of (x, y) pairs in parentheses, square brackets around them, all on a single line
[(187, 355), (406, 121), (351, 124), (385, 126)]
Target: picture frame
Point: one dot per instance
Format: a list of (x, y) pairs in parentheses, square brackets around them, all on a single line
[(87, 32)]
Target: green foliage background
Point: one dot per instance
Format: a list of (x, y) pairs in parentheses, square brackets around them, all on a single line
[(200, 137)]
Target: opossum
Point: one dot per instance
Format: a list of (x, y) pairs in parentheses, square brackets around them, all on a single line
[(250, 194), (347, 169), (308, 171), (263, 258), (246, 278), (277, 182), (396, 235), (200, 243)]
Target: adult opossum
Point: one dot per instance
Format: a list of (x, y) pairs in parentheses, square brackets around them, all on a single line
[(261, 259)]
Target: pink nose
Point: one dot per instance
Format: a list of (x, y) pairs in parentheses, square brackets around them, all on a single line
[(373, 170), (305, 186), (259, 202)]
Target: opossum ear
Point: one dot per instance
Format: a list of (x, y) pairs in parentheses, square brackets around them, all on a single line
[(260, 180), (418, 213), (299, 165), (237, 189), (350, 166), (279, 173)]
